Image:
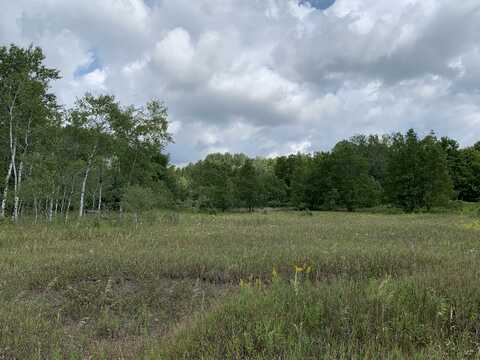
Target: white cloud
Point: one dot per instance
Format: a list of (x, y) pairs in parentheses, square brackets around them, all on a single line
[(175, 53), (303, 147), (267, 77)]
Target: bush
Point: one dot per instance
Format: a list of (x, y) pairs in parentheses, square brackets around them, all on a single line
[(137, 200)]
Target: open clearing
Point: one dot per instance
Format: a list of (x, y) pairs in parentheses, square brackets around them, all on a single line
[(278, 285)]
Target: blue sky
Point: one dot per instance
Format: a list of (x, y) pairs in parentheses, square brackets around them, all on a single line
[(319, 4), (90, 66)]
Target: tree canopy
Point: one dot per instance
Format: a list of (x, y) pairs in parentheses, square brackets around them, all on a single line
[(102, 155)]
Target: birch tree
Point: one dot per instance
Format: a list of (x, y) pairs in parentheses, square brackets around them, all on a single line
[(24, 106), (92, 120)]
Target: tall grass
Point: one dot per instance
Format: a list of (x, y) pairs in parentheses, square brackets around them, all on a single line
[(402, 318), (393, 285)]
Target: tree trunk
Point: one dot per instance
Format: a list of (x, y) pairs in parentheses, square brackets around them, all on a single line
[(94, 200), (56, 202), (84, 182), (135, 217), (21, 207), (82, 193), (15, 186), (67, 209), (18, 183), (62, 204), (69, 203), (50, 210), (100, 199), (5, 190), (12, 157), (35, 205)]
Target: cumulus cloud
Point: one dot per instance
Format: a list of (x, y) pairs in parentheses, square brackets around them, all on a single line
[(267, 77)]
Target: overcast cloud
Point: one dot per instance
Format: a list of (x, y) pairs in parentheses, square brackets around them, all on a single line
[(267, 77)]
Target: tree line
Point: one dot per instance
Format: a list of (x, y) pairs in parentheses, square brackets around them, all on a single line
[(101, 155), (400, 170)]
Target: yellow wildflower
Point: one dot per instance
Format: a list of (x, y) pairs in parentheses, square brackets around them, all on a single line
[(274, 273), (298, 269)]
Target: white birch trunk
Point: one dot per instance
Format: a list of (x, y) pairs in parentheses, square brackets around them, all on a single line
[(94, 200), (21, 208), (5, 191), (15, 185), (82, 193), (67, 210), (84, 182), (100, 199), (20, 171), (62, 204), (12, 158), (56, 202), (50, 210)]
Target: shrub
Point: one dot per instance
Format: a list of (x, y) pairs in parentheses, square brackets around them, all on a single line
[(137, 200)]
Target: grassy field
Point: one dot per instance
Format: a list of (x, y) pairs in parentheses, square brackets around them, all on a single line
[(280, 285)]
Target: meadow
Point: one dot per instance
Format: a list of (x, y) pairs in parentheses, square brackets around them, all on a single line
[(268, 285)]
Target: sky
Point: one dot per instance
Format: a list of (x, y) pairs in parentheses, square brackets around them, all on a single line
[(266, 77)]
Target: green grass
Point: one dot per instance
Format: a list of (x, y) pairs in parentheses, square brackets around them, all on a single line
[(390, 286)]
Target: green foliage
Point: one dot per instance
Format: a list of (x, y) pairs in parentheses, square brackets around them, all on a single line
[(345, 319), (418, 174), (27, 109), (81, 158), (355, 186), (464, 169), (293, 172), (437, 183), (272, 191), (341, 180), (363, 172), (137, 199), (247, 185), (214, 188)]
